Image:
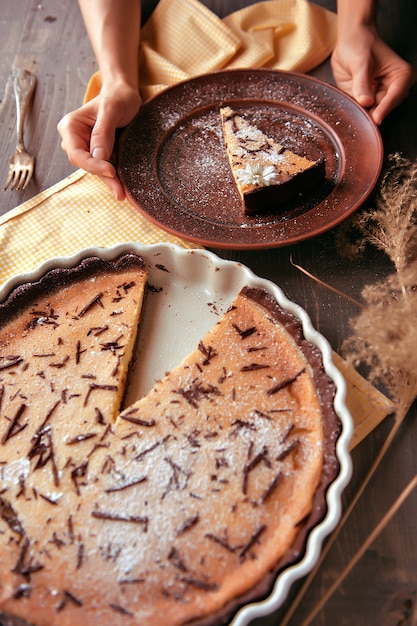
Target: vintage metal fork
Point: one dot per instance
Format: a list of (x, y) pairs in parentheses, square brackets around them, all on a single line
[(22, 164)]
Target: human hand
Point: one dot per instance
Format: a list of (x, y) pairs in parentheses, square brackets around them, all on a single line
[(365, 67), (88, 133)]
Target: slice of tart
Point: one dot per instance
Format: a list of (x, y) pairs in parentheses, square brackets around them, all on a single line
[(267, 175), (180, 509), (66, 342)]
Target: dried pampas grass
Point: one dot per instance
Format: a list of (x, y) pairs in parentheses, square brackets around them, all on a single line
[(384, 336), (391, 224)]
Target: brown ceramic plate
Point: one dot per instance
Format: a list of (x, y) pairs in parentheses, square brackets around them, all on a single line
[(172, 162)]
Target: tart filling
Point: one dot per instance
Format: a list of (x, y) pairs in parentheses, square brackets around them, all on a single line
[(181, 506)]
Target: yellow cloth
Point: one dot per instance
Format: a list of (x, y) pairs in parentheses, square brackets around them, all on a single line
[(76, 213), (182, 39), (366, 404)]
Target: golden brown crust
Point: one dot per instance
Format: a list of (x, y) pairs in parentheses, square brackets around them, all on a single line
[(183, 504)]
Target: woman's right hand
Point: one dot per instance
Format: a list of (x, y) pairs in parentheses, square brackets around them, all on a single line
[(88, 133), (369, 70)]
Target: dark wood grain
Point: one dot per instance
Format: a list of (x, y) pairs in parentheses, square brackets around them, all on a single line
[(48, 37)]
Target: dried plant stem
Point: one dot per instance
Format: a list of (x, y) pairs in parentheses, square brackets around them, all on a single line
[(323, 284), (391, 225), (370, 539), (391, 435)]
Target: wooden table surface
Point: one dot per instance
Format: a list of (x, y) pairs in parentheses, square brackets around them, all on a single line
[(48, 37)]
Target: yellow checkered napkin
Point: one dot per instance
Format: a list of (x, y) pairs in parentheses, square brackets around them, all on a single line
[(366, 404), (76, 213), (183, 39), (80, 212)]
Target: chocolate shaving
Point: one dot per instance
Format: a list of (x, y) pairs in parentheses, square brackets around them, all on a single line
[(106, 432), (196, 391), (131, 581), (117, 366), (80, 438), (68, 597), (80, 556), (131, 519), (252, 541), (199, 584), (121, 609), (43, 449), (288, 432), (9, 515), (151, 448), (23, 591), (79, 352), (126, 287), (262, 457), (95, 387), (193, 439), (259, 413), (112, 346), (108, 465), (283, 455), (136, 420), (97, 330), (208, 352), (78, 474), (70, 529), (95, 300), (96, 447), (240, 425), (56, 541), (176, 560), (61, 363), (253, 367), (42, 446), (126, 485), (24, 565), (244, 333), (221, 542), (178, 479), (221, 462), (188, 523), (15, 426), (48, 499), (99, 416), (42, 318), (153, 288), (284, 383), (223, 377), (13, 362), (271, 488), (22, 485)]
